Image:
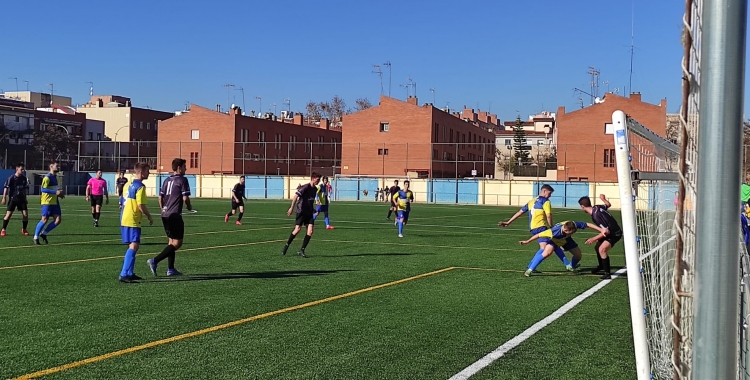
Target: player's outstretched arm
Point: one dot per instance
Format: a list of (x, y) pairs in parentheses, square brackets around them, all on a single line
[(604, 199), (524, 242), (512, 219)]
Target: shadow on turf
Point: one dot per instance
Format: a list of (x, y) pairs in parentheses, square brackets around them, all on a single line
[(235, 276), (376, 254)]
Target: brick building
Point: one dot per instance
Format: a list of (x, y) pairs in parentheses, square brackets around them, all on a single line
[(230, 143), (585, 142), (397, 138)]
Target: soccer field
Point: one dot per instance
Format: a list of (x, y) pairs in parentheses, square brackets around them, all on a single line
[(364, 305)]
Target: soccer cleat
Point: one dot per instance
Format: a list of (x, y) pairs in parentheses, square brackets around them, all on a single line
[(226, 218), (606, 276), (597, 270), (577, 265), (528, 273), (126, 279), (25, 233), (569, 268), (36, 241), (44, 238), (135, 277), (96, 223), (283, 250), (173, 272), (301, 252), (2, 233), (329, 227), (400, 235), (238, 223), (152, 266)]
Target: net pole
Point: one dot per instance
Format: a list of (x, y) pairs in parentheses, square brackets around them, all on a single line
[(716, 328), (633, 263)]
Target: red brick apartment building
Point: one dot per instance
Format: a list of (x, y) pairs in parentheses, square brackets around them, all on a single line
[(585, 143), (395, 138), (230, 143)]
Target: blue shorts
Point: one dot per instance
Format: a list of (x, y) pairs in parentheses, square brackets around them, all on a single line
[(569, 244), (403, 214), (122, 201), (538, 230), (321, 208), (50, 210), (130, 235)]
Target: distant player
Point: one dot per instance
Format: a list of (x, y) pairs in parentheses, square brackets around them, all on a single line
[(403, 199), (121, 182), (16, 186), (50, 200), (238, 201), (324, 194), (134, 208), (96, 190), (611, 234), (175, 191), (558, 240), (304, 200), (389, 195), (540, 218)]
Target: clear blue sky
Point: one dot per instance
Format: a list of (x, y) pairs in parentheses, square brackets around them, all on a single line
[(524, 56)]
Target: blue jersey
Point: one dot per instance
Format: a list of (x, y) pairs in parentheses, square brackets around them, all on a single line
[(538, 209), (556, 234)]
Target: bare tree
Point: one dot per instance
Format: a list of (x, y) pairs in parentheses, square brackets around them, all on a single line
[(313, 111), (362, 104), (337, 108)]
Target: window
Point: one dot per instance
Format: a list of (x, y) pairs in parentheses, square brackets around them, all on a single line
[(450, 136), (382, 152), (384, 127), (583, 179), (437, 132), (148, 126), (98, 137), (292, 142), (333, 144), (134, 124), (277, 141), (308, 144), (320, 142), (434, 154), (609, 129), (444, 131), (18, 119), (194, 160), (261, 138), (508, 142), (91, 136), (156, 125), (141, 123), (540, 142), (609, 158), (195, 134)]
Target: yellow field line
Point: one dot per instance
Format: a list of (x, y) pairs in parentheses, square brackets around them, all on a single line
[(222, 326), (140, 254), (146, 237)]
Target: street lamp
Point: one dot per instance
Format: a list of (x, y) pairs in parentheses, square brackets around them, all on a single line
[(119, 147)]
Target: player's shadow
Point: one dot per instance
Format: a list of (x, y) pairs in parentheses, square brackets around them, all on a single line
[(377, 254), (247, 275)]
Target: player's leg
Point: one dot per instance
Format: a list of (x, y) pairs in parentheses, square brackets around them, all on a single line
[(295, 231), (6, 218), (577, 256), (241, 209), (400, 222), (569, 245), (132, 237), (318, 208), (600, 267), (231, 212), (603, 251), (310, 229), (539, 257), (57, 214), (390, 211), (25, 218), (39, 226), (98, 211), (92, 202)]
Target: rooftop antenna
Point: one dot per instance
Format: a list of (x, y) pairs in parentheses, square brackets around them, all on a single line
[(578, 90), (594, 83), (406, 86), (413, 84), (432, 90), (228, 86), (388, 63), (580, 100), (380, 75), (632, 44), (242, 90), (489, 108), (288, 105), (17, 97), (91, 88), (260, 106), (27, 85)]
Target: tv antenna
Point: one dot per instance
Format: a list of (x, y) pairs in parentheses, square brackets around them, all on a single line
[(388, 64), (413, 84), (432, 90), (380, 75), (594, 83), (228, 86), (578, 91)]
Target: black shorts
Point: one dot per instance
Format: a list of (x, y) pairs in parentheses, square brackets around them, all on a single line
[(235, 205), (174, 226), (304, 220), (96, 200), (612, 239), (17, 204)]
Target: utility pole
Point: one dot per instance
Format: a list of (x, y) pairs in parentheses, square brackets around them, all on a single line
[(388, 63)]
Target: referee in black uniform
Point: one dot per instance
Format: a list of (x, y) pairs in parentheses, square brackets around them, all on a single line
[(16, 186)]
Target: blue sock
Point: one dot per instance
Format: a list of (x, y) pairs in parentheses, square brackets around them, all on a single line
[(400, 227), (559, 252), (328, 222), (127, 265), (50, 227), (315, 216), (39, 227), (575, 262), (538, 258)]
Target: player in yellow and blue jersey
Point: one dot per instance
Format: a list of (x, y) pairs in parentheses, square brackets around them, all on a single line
[(50, 199), (324, 198), (402, 199), (133, 210), (558, 240)]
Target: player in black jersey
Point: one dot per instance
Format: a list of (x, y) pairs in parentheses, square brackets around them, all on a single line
[(389, 193), (16, 187), (238, 201), (605, 240), (304, 204)]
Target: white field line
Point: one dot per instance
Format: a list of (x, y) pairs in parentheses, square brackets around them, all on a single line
[(528, 333)]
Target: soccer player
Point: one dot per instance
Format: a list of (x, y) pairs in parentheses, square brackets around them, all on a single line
[(403, 199), (323, 201), (96, 190), (175, 191), (50, 200), (121, 182), (304, 200), (389, 196), (16, 186), (609, 236), (238, 201), (558, 240), (540, 219), (134, 208)]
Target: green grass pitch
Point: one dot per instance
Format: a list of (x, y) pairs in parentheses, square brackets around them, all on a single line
[(62, 303)]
